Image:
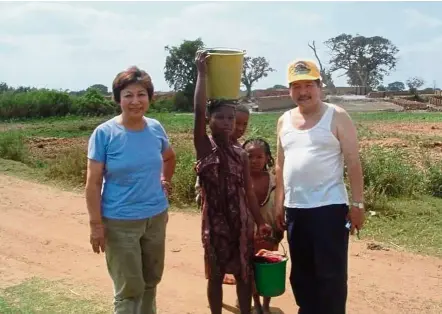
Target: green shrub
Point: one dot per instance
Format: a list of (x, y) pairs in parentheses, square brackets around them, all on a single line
[(13, 147), (434, 178), (162, 105), (185, 175), (390, 172), (70, 166), (182, 102), (93, 103), (34, 103)]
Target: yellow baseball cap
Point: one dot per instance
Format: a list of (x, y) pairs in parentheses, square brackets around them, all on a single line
[(303, 70)]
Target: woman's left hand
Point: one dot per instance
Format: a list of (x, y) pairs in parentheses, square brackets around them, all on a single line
[(167, 187)]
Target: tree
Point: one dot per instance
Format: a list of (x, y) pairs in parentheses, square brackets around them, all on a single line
[(4, 87), (414, 83), (365, 60), (180, 69), (94, 103), (100, 87), (326, 74), (381, 88), (396, 86), (253, 70)]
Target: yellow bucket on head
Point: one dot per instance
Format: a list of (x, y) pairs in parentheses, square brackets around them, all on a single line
[(224, 71)]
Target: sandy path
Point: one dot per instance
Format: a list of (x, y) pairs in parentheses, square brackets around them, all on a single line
[(44, 233)]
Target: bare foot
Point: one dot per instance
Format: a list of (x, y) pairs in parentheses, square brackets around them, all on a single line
[(258, 308)]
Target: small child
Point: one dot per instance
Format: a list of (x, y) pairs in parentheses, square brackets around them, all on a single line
[(261, 160)]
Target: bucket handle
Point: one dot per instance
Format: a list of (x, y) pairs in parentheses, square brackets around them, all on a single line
[(283, 248), (282, 245), (221, 48)]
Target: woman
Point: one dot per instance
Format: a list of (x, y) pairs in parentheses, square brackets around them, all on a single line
[(128, 214)]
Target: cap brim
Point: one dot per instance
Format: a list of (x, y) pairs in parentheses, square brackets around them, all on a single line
[(305, 77)]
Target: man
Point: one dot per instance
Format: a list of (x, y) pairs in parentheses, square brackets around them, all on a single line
[(315, 139)]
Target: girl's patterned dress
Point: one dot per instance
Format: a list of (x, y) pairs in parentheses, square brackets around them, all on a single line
[(227, 225)]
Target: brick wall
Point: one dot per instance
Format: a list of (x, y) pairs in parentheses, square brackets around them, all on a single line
[(347, 90), (410, 104), (270, 92), (387, 94), (273, 103), (436, 100)]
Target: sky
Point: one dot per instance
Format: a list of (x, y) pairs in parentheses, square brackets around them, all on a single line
[(73, 45)]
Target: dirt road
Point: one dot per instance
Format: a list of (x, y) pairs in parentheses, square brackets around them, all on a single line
[(44, 233)]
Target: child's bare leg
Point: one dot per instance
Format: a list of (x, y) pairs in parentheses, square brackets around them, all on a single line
[(244, 292), (266, 304), (257, 304), (215, 294)]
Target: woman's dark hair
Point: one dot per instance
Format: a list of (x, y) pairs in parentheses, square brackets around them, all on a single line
[(265, 146), (131, 76)]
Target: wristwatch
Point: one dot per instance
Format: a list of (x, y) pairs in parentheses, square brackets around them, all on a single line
[(358, 205)]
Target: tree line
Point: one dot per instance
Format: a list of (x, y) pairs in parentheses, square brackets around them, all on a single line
[(365, 61)]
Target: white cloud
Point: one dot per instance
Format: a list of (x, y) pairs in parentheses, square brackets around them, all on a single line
[(430, 46), (416, 19)]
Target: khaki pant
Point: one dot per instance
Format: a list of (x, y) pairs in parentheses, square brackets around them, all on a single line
[(135, 252)]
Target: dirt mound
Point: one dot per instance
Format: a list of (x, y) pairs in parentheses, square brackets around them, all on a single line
[(387, 142), (51, 147), (421, 128)]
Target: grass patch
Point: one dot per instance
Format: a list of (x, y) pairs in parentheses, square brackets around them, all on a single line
[(390, 172), (44, 297), (20, 170), (70, 166), (412, 224), (12, 146), (397, 116)]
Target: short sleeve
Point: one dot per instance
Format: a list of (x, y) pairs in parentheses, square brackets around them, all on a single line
[(163, 137), (97, 146)]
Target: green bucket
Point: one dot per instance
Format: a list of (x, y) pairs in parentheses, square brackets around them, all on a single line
[(270, 278)]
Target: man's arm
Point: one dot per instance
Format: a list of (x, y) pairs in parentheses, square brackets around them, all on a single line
[(279, 182), (347, 136)]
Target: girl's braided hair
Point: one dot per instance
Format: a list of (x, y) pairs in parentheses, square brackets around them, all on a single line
[(214, 104), (265, 146)]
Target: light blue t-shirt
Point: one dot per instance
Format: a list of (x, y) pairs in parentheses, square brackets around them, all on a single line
[(133, 161)]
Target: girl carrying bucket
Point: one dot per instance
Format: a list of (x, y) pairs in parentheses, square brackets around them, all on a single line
[(242, 116), (261, 160), (229, 206)]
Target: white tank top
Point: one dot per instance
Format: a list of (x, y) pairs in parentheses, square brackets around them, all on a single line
[(313, 169)]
